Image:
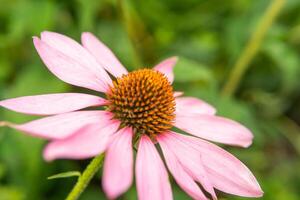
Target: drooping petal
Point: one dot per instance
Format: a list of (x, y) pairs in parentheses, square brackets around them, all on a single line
[(50, 104), (103, 54), (151, 175), (70, 70), (118, 165), (63, 125), (190, 160), (166, 67), (87, 142), (188, 106), (217, 129), (226, 172), (182, 178), (74, 50)]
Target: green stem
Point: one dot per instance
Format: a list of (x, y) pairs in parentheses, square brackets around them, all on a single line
[(252, 47), (86, 177)]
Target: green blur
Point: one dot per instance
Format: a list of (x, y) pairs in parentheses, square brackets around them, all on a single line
[(207, 36)]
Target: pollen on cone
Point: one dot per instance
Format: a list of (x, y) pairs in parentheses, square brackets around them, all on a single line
[(144, 100)]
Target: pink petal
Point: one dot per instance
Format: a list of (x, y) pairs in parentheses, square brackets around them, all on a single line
[(188, 106), (151, 176), (166, 67), (74, 50), (217, 129), (226, 172), (69, 69), (87, 142), (118, 165), (182, 178), (190, 160), (177, 93), (50, 104), (63, 125), (103, 54)]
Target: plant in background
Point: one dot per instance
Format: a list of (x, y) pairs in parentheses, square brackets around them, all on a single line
[(140, 110)]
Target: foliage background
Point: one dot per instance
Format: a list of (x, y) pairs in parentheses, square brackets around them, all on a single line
[(208, 37)]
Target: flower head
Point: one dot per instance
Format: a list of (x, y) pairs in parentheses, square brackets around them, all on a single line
[(139, 104), (143, 100)]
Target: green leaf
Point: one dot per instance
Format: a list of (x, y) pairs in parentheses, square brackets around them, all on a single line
[(65, 175)]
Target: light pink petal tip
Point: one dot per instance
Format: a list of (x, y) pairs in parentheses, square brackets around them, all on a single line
[(217, 129), (151, 175), (166, 67), (63, 125), (183, 179), (71, 62), (87, 142), (118, 164), (225, 171), (103, 54), (50, 104), (188, 106), (177, 93), (189, 159)]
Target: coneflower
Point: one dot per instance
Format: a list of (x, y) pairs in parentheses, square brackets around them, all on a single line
[(140, 106)]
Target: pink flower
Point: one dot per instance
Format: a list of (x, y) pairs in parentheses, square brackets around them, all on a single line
[(140, 106)]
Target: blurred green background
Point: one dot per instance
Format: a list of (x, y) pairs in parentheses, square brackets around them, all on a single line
[(208, 37)]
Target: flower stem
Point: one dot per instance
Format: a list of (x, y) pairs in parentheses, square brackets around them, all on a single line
[(252, 47), (86, 177)]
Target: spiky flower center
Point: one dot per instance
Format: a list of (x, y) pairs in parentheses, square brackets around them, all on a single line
[(144, 100)]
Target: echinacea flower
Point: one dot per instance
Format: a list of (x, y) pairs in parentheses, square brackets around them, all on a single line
[(140, 106)]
